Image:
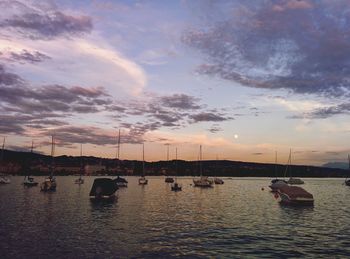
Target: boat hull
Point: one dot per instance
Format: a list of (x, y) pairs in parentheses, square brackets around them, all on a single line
[(292, 195), (203, 182), (4, 180)]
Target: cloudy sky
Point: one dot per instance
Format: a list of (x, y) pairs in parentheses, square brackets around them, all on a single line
[(242, 78)]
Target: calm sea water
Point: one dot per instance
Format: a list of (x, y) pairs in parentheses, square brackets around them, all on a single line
[(236, 220)]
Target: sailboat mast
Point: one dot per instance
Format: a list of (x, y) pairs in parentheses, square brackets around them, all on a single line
[(2, 150), (81, 159), (143, 159), (2, 155), (52, 155), (118, 147), (276, 164), (200, 159), (175, 162)]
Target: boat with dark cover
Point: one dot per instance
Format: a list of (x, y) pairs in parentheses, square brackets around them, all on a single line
[(103, 189)]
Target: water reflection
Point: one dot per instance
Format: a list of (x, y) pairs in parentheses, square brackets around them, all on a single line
[(236, 218)]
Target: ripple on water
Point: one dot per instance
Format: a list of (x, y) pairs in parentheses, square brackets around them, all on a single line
[(236, 219)]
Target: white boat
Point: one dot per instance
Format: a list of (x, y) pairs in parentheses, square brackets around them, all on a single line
[(292, 180), (28, 180), (3, 178), (203, 181), (294, 195), (50, 184), (80, 180), (168, 179), (121, 182), (176, 186), (142, 179)]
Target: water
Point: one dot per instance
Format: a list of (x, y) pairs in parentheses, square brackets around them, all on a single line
[(236, 219)]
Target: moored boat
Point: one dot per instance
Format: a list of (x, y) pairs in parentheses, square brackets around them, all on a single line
[(295, 181), (176, 187), (121, 182), (294, 195), (218, 180), (29, 181), (203, 181), (50, 184), (142, 179), (3, 178), (103, 189), (80, 180), (169, 180)]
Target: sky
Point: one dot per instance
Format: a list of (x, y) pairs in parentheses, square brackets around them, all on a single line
[(244, 79)]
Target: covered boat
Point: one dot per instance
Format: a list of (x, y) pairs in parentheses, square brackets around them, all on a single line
[(103, 189), (295, 195)]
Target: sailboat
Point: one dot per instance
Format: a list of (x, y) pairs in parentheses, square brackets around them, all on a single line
[(142, 179), (80, 180), (3, 178), (168, 179), (292, 180), (176, 186), (50, 184), (277, 183), (121, 182), (218, 180), (29, 181), (203, 181), (347, 181)]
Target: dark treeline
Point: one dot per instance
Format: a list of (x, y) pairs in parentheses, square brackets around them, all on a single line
[(21, 163)]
